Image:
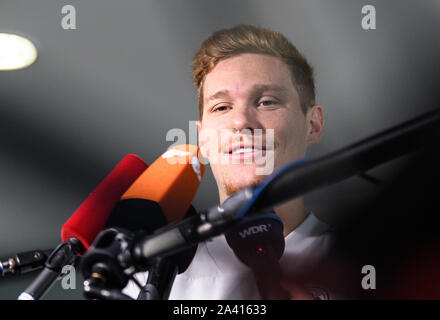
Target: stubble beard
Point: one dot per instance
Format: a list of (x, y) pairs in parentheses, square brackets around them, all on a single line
[(231, 187)]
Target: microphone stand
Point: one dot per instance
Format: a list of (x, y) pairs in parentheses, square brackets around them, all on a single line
[(269, 286), (24, 262), (62, 255), (163, 271), (161, 276)]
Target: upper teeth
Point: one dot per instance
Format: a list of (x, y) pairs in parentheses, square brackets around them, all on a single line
[(242, 150)]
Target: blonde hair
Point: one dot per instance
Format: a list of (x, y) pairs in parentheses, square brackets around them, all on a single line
[(240, 39)]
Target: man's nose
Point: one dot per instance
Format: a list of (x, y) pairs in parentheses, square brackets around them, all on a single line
[(243, 117)]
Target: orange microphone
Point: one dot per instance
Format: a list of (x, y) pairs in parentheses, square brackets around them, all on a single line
[(168, 185)]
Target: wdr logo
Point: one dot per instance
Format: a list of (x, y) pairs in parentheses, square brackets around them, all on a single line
[(253, 230)]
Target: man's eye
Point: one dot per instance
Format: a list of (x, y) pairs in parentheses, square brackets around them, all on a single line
[(220, 108), (267, 103)]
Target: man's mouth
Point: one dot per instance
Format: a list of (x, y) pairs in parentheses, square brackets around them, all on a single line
[(245, 151)]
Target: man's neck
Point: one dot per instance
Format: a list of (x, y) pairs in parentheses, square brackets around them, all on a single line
[(292, 213)]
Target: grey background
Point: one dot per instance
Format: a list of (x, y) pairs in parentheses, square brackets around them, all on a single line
[(122, 79)]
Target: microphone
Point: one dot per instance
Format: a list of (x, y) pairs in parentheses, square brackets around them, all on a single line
[(90, 218), (258, 242), (161, 196), (164, 191), (172, 181), (24, 262), (82, 227)]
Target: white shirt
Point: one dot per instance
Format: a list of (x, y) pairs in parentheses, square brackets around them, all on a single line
[(216, 273)]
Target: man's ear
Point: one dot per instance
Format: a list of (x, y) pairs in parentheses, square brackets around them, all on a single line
[(315, 123)]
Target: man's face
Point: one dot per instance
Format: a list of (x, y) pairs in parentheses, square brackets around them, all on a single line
[(242, 94)]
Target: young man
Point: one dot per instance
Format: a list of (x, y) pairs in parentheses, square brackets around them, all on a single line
[(254, 86)]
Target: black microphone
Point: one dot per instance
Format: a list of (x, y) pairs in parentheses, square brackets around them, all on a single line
[(163, 271), (107, 263), (103, 265), (24, 262), (258, 242)]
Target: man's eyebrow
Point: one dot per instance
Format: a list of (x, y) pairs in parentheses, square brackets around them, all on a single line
[(218, 95), (269, 87)]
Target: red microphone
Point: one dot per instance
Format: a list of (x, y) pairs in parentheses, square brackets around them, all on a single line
[(79, 232), (89, 219)]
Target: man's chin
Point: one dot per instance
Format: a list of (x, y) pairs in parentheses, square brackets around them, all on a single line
[(240, 182)]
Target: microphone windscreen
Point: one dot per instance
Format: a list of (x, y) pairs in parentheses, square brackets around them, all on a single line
[(131, 215), (171, 181), (89, 219), (257, 240)]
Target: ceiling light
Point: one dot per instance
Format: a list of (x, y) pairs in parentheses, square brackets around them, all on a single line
[(16, 52)]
